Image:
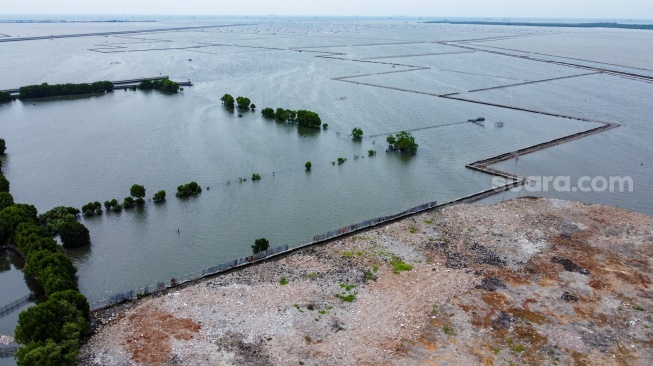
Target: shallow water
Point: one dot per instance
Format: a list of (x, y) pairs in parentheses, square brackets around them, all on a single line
[(15, 285), (72, 150)]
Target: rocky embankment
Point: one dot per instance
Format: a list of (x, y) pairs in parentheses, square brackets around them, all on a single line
[(523, 282)]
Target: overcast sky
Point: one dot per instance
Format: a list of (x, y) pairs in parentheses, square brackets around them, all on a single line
[(630, 9)]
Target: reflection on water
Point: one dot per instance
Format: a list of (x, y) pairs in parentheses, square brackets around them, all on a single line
[(5, 263), (57, 99), (80, 254), (15, 285), (308, 132)]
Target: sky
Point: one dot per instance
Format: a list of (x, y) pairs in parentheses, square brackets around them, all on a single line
[(610, 9)]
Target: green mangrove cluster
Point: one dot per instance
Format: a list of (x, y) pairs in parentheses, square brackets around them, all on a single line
[(5, 97), (190, 189), (243, 102), (162, 84), (50, 332), (136, 197), (302, 117), (403, 141), (46, 90)]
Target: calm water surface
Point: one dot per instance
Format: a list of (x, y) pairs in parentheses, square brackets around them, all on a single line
[(72, 150)]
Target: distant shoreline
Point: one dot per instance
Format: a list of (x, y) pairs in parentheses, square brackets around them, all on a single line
[(557, 25), (75, 21)]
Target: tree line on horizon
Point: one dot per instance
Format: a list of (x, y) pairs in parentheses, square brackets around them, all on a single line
[(47, 90)]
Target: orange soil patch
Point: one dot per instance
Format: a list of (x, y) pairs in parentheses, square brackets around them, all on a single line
[(149, 336)]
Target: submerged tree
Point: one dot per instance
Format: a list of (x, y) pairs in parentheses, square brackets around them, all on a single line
[(308, 165), (146, 84), (281, 114), (243, 103), (308, 119), (5, 97), (46, 90), (357, 134), (159, 196), (74, 234), (92, 208), (267, 112), (190, 189), (291, 116), (228, 100), (53, 219), (137, 191), (403, 141), (128, 202), (260, 245), (165, 85)]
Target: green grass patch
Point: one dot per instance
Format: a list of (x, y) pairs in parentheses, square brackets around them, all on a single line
[(347, 298), (283, 281), (322, 312), (448, 331), (347, 287), (347, 254), (312, 275), (369, 276), (638, 308), (375, 268), (346, 294), (428, 221), (412, 229), (496, 350), (399, 266)]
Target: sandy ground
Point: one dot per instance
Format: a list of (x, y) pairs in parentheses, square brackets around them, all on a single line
[(523, 282)]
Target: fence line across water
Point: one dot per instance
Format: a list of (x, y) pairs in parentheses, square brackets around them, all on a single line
[(134, 294), (15, 305)]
